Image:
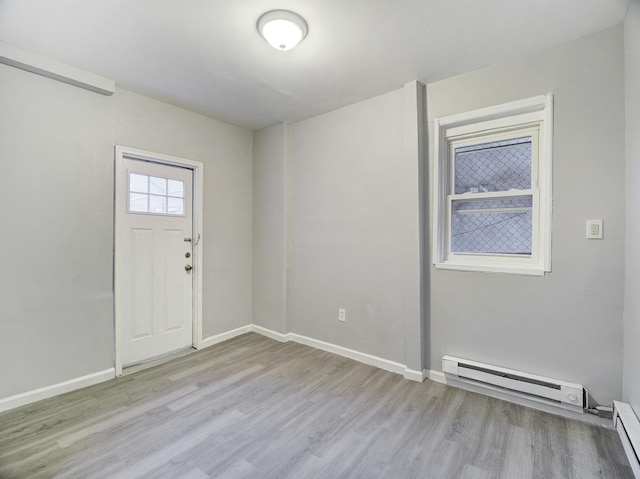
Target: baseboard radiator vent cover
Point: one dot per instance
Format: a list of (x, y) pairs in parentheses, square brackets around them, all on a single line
[(628, 426), (541, 389)]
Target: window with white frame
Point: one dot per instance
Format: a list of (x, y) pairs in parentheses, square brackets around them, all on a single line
[(492, 188), (155, 195)]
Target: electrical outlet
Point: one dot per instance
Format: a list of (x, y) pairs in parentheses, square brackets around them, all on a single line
[(342, 315), (594, 229)]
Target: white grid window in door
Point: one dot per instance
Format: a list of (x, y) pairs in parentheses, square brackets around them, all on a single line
[(155, 195)]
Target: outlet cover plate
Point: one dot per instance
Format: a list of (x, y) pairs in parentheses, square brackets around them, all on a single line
[(594, 229)]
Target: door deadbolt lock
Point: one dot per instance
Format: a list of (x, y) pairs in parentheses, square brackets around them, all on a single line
[(187, 255), (188, 268)]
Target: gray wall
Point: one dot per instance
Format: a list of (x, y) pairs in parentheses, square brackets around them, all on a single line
[(56, 149), (270, 209), (631, 383), (567, 325), (56, 243), (355, 228)]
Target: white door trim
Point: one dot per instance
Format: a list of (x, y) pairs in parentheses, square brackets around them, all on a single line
[(121, 153)]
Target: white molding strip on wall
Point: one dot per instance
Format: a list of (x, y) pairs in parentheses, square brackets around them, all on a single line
[(283, 338), (47, 67), (369, 359), (218, 338), (350, 353), (56, 389), (436, 376), (414, 375)]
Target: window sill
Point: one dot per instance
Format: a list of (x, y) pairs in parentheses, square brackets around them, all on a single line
[(516, 269)]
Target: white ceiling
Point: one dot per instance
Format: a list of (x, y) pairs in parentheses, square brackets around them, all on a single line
[(206, 55)]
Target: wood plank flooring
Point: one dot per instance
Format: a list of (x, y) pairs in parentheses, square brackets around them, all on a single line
[(255, 408)]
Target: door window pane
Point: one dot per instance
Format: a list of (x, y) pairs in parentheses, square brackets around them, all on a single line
[(153, 194), (138, 183), (176, 188), (138, 202), (157, 186), (157, 204), (175, 206)]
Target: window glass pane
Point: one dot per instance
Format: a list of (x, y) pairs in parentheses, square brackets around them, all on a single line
[(495, 166), (138, 202), (175, 206), (492, 226), (138, 183), (157, 186), (176, 188), (153, 194), (157, 204)]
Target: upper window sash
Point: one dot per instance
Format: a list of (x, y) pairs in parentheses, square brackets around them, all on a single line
[(454, 143)]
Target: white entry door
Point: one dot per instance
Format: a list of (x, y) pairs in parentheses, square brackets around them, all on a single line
[(156, 260)]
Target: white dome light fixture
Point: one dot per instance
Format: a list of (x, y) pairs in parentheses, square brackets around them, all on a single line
[(282, 29)]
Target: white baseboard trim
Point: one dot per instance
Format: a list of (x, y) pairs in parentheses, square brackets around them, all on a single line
[(369, 359), (218, 338), (29, 397), (436, 376), (350, 353), (269, 333), (414, 375)]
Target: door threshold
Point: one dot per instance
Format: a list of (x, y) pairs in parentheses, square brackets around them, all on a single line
[(149, 363)]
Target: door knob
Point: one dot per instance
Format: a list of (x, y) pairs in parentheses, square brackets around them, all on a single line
[(188, 268)]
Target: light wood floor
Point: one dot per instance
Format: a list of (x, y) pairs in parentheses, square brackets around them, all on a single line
[(255, 408)]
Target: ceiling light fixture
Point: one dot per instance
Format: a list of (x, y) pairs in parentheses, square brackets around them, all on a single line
[(282, 29)]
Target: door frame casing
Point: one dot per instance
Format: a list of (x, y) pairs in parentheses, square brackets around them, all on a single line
[(120, 190)]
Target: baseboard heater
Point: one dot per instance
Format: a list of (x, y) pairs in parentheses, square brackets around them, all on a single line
[(628, 426), (516, 383)]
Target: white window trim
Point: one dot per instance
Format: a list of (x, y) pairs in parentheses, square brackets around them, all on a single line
[(536, 112)]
